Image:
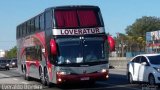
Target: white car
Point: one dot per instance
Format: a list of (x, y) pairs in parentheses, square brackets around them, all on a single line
[(144, 68)]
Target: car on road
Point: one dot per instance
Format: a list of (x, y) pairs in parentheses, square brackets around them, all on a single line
[(144, 68), (13, 63), (4, 64)]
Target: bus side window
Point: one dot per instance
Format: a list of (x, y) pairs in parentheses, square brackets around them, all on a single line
[(42, 22), (28, 27), (17, 32), (38, 53), (24, 29), (37, 25), (32, 24), (28, 56), (33, 53), (21, 33), (48, 19)]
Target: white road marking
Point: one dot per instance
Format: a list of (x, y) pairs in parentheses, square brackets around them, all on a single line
[(3, 75), (25, 83), (114, 85), (15, 79), (111, 86)]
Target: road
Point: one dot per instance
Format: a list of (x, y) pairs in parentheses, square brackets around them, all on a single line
[(117, 80)]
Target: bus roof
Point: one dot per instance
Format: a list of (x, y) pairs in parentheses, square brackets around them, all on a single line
[(64, 7), (73, 7)]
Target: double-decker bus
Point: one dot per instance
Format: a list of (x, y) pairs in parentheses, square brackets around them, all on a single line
[(64, 44)]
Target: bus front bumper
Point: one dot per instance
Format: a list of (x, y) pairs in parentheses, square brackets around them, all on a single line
[(82, 77)]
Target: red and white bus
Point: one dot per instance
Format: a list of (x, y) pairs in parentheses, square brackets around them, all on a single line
[(64, 44)]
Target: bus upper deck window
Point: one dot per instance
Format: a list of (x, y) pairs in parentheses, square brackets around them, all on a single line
[(66, 19), (87, 18)]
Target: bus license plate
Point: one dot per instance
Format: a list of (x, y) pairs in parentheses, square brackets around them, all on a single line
[(85, 78)]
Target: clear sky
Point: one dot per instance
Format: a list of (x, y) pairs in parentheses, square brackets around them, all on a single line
[(117, 14)]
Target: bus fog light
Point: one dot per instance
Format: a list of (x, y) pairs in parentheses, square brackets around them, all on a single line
[(107, 76), (59, 79)]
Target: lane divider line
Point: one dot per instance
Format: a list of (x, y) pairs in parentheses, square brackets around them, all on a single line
[(25, 83)]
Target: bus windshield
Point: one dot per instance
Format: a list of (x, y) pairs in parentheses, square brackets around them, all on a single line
[(69, 50), (75, 50), (77, 18), (93, 49)]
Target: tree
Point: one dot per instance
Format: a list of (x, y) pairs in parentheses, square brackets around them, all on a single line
[(121, 43), (126, 43), (143, 25), (140, 43), (137, 31), (12, 53)]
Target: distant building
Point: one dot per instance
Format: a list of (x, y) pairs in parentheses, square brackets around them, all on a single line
[(2, 53)]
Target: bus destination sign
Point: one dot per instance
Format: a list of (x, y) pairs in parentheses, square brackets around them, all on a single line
[(78, 31)]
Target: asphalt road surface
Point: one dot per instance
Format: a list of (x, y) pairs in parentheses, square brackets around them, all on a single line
[(116, 81)]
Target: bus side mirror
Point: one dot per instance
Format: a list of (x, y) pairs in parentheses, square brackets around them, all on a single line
[(111, 43), (53, 47)]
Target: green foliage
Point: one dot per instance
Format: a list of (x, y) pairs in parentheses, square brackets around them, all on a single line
[(143, 25), (126, 43), (135, 38), (12, 53)]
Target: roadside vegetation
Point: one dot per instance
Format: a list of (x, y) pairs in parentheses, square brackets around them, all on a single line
[(12, 53), (134, 39)]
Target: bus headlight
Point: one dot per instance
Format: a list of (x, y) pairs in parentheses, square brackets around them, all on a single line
[(63, 73), (104, 70)]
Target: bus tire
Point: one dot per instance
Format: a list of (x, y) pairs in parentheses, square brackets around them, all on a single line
[(26, 77), (46, 77), (42, 77), (22, 69), (43, 81)]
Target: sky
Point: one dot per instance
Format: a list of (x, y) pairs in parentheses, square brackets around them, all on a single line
[(117, 14)]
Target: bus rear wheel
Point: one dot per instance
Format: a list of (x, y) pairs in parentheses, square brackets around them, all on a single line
[(26, 77), (46, 77), (42, 79)]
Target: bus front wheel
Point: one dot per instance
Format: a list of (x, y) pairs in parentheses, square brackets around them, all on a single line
[(26, 77)]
